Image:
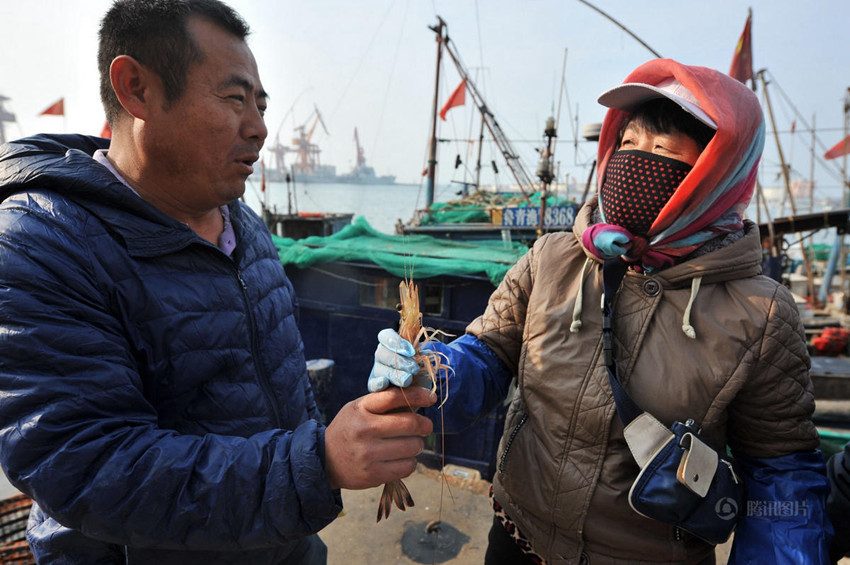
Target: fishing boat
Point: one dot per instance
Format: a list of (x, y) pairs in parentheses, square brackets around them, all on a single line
[(529, 210)]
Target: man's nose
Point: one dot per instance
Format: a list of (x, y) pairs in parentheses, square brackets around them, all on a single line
[(254, 126)]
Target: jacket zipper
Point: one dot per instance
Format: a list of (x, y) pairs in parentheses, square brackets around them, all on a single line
[(510, 441), (265, 384)]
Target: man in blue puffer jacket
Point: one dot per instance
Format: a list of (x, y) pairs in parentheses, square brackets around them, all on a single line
[(154, 399)]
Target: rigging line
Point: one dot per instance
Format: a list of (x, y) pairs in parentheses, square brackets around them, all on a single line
[(478, 24), (389, 78), (289, 113), (456, 138), (624, 28), (561, 92), (796, 112), (833, 169), (490, 106), (360, 63), (470, 146)]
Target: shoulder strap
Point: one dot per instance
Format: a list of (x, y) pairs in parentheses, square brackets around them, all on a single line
[(613, 272)]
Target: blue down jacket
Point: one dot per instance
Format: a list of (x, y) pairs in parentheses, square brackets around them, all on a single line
[(154, 399)]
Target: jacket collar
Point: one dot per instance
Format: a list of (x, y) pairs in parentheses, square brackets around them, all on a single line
[(740, 259), (64, 164)]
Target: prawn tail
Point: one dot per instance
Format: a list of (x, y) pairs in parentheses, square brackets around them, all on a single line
[(395, 492)]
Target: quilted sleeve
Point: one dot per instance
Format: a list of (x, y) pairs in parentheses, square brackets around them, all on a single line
[(771, 414), (501, 325)]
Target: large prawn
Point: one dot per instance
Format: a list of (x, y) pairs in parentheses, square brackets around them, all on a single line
[(431, 366)]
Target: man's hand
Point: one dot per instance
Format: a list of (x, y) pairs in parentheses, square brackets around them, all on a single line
[(394, 364), (375, 439)]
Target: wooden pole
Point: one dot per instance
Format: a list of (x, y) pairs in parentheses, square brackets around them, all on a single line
[(842, 258), (480, 149), (432, 150), (812, 171), (806, 263)]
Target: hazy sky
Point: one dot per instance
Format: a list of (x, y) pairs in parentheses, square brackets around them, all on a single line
[(370, 64)]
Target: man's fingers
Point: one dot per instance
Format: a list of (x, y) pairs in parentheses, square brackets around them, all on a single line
[(395, 398)]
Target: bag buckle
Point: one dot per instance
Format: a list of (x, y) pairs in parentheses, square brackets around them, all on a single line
[(731, 471)]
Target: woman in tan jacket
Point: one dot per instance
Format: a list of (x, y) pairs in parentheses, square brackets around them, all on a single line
[(699, 334)]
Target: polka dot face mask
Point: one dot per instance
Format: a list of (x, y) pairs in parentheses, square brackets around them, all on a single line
[(637, 186)]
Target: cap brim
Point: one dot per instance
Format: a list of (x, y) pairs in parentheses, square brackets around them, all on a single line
[(629, 96)]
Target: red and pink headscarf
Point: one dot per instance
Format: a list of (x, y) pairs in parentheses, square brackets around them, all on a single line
[(712, 198)]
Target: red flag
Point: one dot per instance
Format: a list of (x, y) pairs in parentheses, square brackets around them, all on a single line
[(458, 98), (742, 62), (106, 131), (839, 149), (55, 109), (263, 177)]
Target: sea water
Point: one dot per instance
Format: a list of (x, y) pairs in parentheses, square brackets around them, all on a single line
[(383, 205)]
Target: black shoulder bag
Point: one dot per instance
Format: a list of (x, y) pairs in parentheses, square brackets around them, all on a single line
[(683, 481)]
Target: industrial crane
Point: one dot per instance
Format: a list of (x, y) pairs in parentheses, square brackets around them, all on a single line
[(307, 162)]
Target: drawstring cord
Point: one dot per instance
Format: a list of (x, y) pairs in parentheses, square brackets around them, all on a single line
[(576, 324), (687, 328), (686, 319)]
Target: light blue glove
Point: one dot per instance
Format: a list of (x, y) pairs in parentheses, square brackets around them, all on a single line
[(394, 364)]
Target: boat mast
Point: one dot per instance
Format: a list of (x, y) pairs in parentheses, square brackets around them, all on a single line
[(787, 182), (432, 150), (509, 154), (480, 149), (5, 117), (544, 170), (845, 196)]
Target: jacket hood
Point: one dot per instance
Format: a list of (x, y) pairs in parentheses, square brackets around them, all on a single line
[(63, 164), (52, 160), (723, 177)]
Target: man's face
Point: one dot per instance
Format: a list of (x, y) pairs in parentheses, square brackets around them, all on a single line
[(202, 147)]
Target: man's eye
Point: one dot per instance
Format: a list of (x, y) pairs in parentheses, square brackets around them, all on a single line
[(237, 97)]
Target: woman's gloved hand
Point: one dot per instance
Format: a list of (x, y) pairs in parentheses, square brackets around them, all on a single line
[(394, 364)]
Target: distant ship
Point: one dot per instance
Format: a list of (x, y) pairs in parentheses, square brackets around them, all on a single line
[(361, 173), (308, 168)]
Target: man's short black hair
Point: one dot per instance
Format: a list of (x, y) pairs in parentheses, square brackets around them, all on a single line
[(662, 115), (155, 33)]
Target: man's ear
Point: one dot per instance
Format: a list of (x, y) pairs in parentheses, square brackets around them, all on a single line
[(132, 83)]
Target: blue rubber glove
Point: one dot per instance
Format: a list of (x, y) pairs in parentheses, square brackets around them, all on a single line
[(394, 364)]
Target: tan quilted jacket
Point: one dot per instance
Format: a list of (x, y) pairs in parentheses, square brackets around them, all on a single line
[(564, 469)]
